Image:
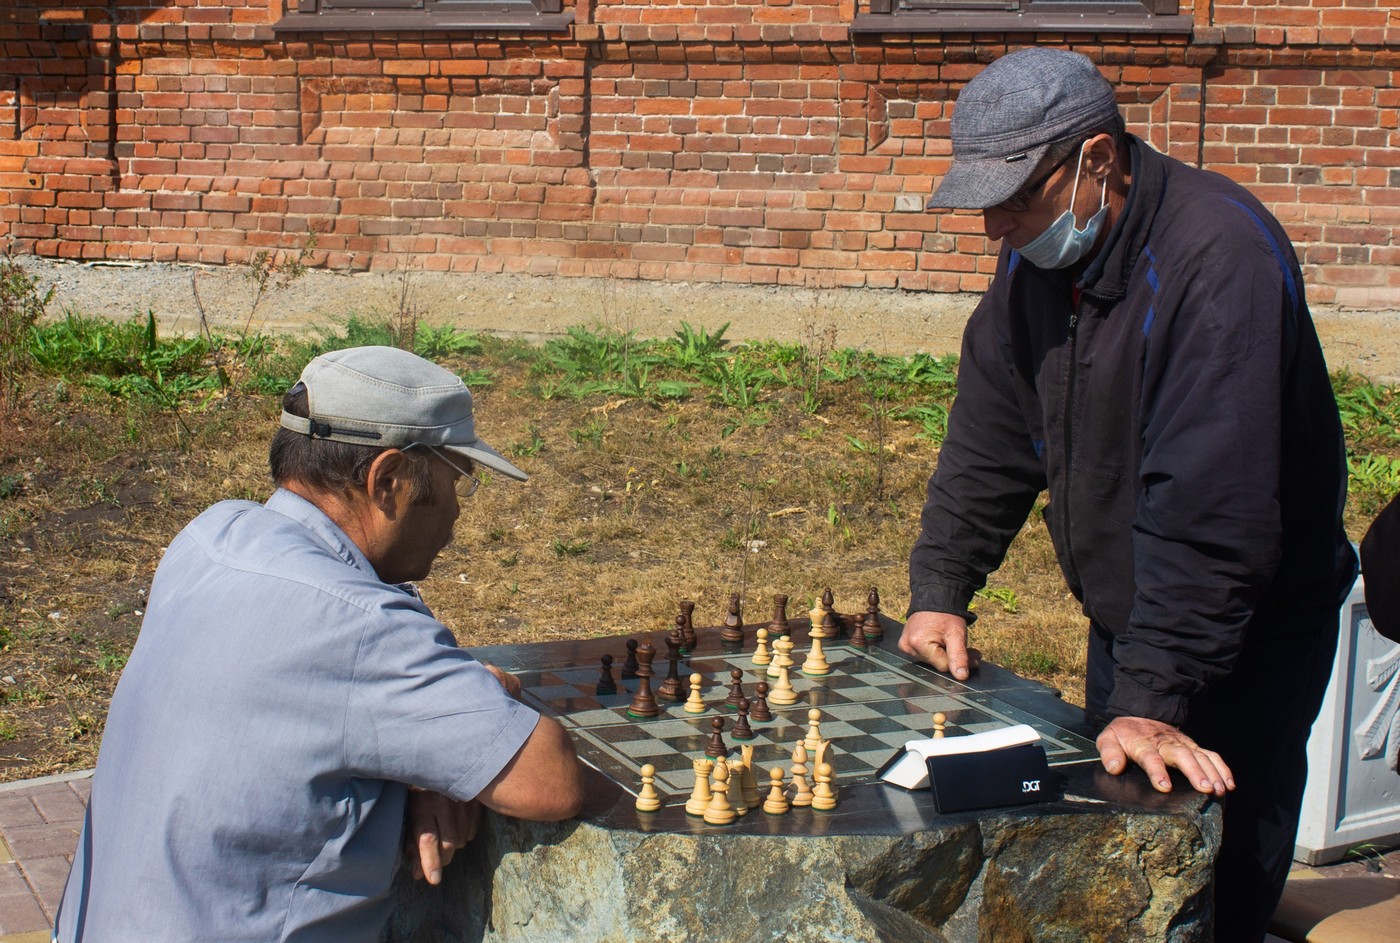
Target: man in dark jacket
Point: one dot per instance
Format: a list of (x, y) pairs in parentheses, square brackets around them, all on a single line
[(1145, 352)]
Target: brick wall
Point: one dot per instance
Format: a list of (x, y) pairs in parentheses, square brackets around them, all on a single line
[(731, 140)]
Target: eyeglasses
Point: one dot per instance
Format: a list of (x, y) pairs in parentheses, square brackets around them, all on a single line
[(466, 484), (1018, 202)]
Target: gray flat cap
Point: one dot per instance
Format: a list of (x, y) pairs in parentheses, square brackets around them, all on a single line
[(1010, 113), (390, 398)]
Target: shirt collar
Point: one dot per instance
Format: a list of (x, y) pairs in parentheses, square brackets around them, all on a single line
[(294, 506)]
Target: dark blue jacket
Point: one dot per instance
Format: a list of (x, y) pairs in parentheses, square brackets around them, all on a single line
[(1181, 416)]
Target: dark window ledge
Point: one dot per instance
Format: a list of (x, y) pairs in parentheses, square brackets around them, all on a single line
[(410, 21), (962, 21)]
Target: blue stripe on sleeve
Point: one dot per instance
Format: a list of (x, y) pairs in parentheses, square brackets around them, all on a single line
[(1154, 283), (1279, 254)]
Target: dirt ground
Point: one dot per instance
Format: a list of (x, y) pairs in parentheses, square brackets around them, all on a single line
[(884, 321)]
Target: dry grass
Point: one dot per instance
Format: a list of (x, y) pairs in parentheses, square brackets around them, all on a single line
[(631, 506)]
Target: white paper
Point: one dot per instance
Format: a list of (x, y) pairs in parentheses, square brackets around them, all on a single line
[(911, 770)]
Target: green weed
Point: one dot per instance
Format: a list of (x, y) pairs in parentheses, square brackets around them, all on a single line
[(921, 371), (1370, 413), (696, 349), (738, 382), (932, 419), (477, 379), (1034, 662), (1374, 480), (569, 548), (591, 434), (1002, 595), (530, 446), (109, 660)]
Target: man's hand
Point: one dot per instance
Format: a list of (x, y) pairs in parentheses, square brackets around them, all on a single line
[(940, 639), (1154, 745), (437, 827), (508, 681)]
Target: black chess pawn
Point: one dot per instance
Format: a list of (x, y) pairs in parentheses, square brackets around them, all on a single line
[(858, 639), (670, 687), (742, 730), (778, 626), (606, 682), (733, 631), (758, 708), (736, 687), (629, 666), (716, 747)]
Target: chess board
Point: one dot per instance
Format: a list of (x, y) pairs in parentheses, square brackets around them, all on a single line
[(872, 703)]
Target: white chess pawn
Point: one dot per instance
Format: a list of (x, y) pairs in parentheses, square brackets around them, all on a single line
[(761, 655), (695, 704), (777, 801), (648, 800), (814, 731)]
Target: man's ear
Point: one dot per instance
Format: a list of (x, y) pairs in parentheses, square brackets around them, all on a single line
[(389, 483), (1100, 155)]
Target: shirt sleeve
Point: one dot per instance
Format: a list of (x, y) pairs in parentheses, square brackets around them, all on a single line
[(988, 473), (424, 712)]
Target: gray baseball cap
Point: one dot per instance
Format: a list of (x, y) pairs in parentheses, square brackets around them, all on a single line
[(1010, 114), (390, 398)]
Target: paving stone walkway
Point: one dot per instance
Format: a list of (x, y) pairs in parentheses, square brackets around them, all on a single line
[(39, 824)]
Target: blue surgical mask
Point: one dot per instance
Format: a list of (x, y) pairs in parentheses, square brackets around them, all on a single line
[(1062, 245)]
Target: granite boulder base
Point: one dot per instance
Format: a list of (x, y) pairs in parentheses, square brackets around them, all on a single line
[(1070, 870)]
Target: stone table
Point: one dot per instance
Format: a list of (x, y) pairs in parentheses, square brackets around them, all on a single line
[(1111, 859)]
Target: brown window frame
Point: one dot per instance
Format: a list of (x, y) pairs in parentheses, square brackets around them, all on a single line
[(435, 15), (1023, 16)]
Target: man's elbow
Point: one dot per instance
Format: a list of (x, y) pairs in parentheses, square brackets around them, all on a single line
[(567, 800)]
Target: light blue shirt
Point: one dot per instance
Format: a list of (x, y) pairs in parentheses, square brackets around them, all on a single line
[(254, 769)]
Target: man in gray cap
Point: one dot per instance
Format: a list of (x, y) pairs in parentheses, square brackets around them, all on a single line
[(290, 695), (1146, 354)]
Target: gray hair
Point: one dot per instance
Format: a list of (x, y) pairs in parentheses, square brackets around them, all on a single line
[(335, 467)]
